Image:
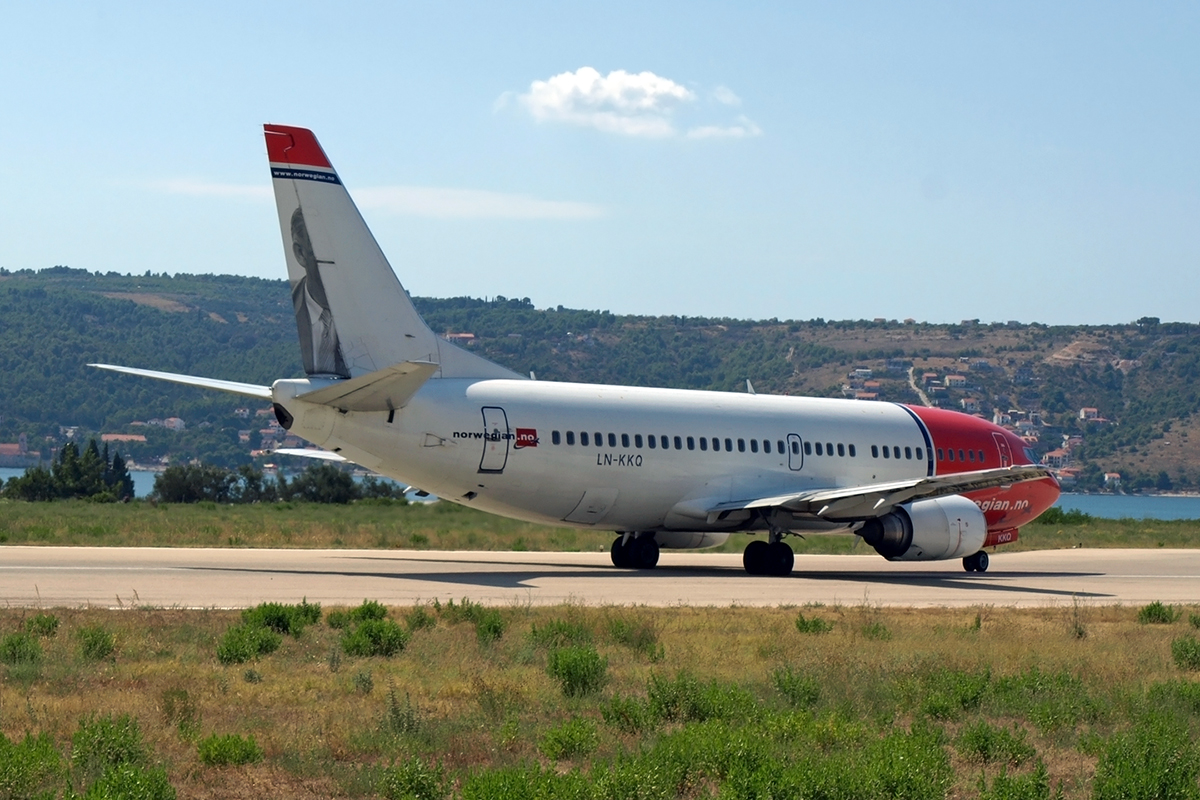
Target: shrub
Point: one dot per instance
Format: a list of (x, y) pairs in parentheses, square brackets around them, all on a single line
[(338, 619), (131, 781), (1158, 614), (987, 743), (375, 637), (949, 692), (876, 631), (179, 709), (20, 648), (368, 610), (42, 625), (579, 670), (1056, 516), (32, 767), (252, 676), (1156, 758), (241, 643), (399, 719), (419, 618), (105, 742), (814, 625), (628, 714), (575, 737), (1194, 620), (640, 637), (229, 750), (412, 780), (489, 626), (1030, 786), (282, 618), (95, 643), (560, 633), (363, 682), (466, 611), (800, 690), (1186, 652), (685, 699)]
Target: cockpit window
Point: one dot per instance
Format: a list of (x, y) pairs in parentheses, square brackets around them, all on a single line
[(1030, 456)]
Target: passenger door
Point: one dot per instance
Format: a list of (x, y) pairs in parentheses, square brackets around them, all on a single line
[(795, 452), (496, 438)]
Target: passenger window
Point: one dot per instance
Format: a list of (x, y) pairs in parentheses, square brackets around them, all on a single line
[(624, 440), (852, 452), (941, 454), (679, 443), (766, 445), (841, 449), (742, 445), (703, 443), (637, 440), (652, 441), (920, 454), (729, 445), (795, 448), (960, 456), (980, 456), (555, 438), (600, 440), (951, 452), (666, 443), (819, 449), (612, 440), (691, 443), (583, 438), (829, 448), (570, 437), (896, 451), (808, 448), (971, 455), (887, 452), (779, 444), (908, 453), (874, 451), (753, 445)]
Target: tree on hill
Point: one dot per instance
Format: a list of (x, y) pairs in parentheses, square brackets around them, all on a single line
[(90, 476)]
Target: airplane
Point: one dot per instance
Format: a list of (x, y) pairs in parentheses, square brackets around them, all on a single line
[(661, 468)]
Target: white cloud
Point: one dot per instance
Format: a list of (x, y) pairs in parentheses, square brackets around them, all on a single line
[(725, 96), (427, 201), (620, 102), (416, 201), (743, 129)]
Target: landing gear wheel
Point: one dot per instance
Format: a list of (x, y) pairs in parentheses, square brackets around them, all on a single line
[(644, 552), (621, 556), (756, 557), (976, 563), (782, 559)]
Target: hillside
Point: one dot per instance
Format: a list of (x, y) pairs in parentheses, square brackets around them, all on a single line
[(1139, 378)]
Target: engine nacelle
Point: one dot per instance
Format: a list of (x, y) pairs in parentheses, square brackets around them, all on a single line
[(928, 530)]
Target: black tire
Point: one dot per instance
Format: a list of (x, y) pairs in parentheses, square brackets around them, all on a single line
[(969, 563), (756, 557), (620, 554), (782, 559), (981, 561), (644, 552)]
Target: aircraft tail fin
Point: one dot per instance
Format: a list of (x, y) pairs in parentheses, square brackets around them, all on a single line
[(352, 315)]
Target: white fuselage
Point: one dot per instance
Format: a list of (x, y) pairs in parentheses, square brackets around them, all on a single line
[(491, 444)]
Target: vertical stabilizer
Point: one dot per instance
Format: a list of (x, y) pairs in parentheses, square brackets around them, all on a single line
[(352, 315)]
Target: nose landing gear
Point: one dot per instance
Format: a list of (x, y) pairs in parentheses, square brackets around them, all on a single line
[(639, 552)]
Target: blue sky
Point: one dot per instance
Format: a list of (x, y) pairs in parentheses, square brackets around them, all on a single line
[(941, 161)]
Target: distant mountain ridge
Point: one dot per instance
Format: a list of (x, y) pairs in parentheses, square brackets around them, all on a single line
[(1140, 378)]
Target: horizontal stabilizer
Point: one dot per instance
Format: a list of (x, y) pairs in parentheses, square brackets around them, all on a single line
[(865, 502), (304, 452), (382, 390), (233, 387)]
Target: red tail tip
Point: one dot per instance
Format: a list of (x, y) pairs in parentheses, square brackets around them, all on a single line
[(288, 145)]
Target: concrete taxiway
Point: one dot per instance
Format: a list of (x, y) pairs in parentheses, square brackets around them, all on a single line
[(225, 578)]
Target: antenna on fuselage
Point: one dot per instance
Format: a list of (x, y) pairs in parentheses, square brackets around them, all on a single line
[(750, 387)]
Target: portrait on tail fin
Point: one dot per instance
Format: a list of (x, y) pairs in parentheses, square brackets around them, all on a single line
[(319, 346)]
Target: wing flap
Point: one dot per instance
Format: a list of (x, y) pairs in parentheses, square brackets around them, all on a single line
[(865, 502), (382, 390), (233, 387)]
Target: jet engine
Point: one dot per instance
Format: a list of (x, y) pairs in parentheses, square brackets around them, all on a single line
[(928, 530)]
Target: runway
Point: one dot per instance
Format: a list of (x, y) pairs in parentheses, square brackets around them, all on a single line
[(232, 578)]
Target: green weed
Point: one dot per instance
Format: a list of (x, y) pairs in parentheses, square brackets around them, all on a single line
[(44, 625), (813, 624), (229, 750), (1158, 614), (800, 689), (579, 670), (574, 738), (988, 744), (242, 643), (1156, 758), (1186, 652), (95, 643), (413, 779), (375, 637), (19, 649)]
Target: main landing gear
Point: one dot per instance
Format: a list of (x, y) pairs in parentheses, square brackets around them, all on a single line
[(639, 552), (976, 563), (768, 558)]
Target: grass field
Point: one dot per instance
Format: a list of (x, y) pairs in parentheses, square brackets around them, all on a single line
[(516, 702), (437, 526)]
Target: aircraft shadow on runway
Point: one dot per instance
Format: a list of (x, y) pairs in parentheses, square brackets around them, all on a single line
[(996, 582)]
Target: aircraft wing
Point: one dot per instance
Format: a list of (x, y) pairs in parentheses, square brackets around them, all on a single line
[(865, 502), (233, 387), (304, 452)]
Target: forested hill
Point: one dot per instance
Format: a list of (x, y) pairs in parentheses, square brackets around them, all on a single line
[(1141, 378)]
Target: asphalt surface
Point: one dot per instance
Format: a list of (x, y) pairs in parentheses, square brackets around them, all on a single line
[(231, 578)]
